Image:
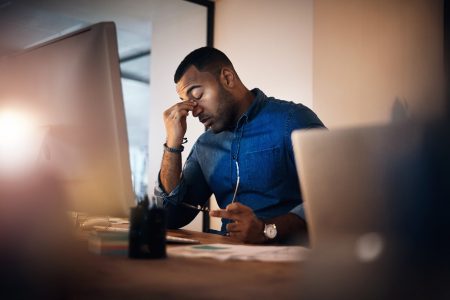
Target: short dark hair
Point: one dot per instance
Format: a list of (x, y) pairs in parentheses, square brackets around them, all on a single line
[(207, 59)]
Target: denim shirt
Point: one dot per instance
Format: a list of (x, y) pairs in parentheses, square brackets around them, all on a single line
[(261, 144)]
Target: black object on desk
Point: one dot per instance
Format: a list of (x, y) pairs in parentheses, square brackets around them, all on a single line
[(147, 236)]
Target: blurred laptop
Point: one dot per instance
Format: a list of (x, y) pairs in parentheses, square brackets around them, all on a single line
[(372, 197), (349, 177)]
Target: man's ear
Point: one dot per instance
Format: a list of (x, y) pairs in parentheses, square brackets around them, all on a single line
[(228, 77)]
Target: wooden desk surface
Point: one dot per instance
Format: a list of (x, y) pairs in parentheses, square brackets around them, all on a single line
[(189, 278)]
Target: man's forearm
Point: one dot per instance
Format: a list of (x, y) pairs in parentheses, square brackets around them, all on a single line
[(170, 171)]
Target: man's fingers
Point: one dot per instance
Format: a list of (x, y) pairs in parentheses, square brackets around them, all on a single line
[(235, 235), (186, 105), (234, 211), (183, 107), (178, 114), (233, 227), (237, 208), (221, 213)]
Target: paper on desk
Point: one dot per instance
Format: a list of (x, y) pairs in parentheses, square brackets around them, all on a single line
[(242, 252)]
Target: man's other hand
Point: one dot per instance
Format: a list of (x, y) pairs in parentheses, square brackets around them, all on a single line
[(246, 226)]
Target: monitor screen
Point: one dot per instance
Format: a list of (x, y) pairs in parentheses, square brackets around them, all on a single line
[(70, 88)]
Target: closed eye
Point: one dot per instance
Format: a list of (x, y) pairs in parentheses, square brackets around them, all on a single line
[(197, 93)]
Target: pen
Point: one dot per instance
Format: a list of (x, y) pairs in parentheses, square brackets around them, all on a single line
[(237, 182)]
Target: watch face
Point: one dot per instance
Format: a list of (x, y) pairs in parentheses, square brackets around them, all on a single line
[(270, 231)]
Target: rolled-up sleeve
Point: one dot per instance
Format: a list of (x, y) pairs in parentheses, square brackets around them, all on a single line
[(192, 189), (175, 197), (299, 211)]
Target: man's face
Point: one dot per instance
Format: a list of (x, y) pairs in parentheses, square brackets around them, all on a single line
[(216, 107)]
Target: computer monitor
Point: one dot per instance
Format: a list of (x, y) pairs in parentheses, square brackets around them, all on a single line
[(71, 88)]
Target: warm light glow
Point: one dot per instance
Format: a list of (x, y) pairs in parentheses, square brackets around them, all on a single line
[(18, 140), (369, 246)]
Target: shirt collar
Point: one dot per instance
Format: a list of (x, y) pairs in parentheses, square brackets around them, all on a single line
[(254, 108)]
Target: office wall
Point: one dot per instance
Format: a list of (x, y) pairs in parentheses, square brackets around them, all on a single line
[(270, 44), (375, 61)]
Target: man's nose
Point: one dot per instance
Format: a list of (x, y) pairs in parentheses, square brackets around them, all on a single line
[(196, 111)]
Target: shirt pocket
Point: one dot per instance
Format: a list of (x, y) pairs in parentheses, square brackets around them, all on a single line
[(262, 169)]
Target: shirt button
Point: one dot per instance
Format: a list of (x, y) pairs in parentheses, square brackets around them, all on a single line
[(234, 157)]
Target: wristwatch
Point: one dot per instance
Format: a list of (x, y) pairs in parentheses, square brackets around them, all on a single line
[(270, 231)]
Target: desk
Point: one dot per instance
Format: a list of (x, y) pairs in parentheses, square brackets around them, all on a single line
[(189, 278)]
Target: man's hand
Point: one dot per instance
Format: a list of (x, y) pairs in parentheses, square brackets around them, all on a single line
[(175, 122), (246, 226)]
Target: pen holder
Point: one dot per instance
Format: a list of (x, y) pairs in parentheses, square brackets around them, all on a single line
[(147, 235)]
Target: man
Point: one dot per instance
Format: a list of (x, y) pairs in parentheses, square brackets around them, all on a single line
[(245, 157)]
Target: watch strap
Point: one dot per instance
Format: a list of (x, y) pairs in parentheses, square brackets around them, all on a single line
[(173, 150)]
